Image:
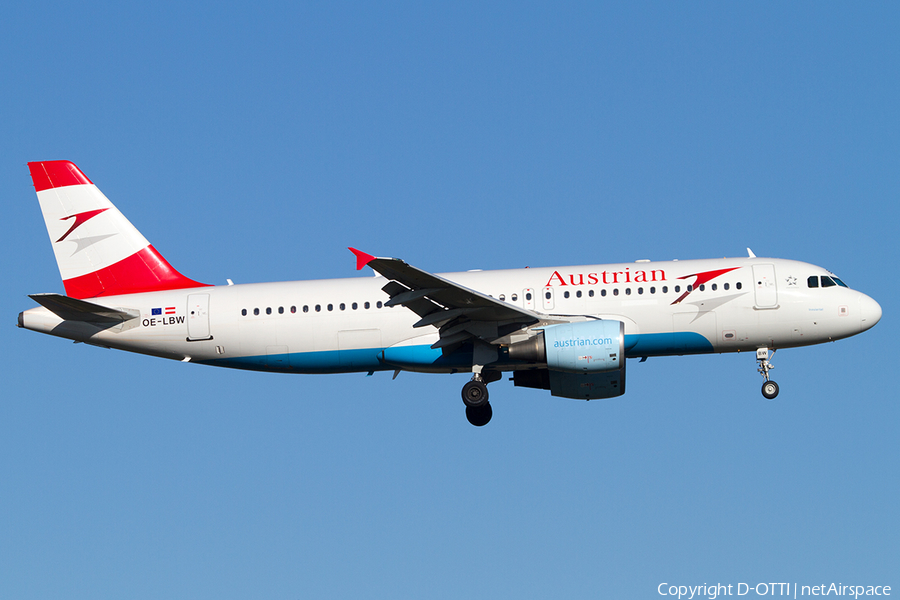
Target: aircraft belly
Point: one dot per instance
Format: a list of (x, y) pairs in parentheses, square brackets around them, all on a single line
[(329, 361), (667, 344)]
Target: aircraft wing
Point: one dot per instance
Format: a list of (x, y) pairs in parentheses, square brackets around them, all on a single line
[(461, 314)]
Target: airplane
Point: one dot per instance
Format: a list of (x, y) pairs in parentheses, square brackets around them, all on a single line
[(568, 330)]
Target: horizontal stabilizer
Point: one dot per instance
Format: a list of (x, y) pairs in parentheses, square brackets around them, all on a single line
[(72, 309)]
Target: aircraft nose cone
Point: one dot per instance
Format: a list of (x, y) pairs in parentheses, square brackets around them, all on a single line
[(869, 312)]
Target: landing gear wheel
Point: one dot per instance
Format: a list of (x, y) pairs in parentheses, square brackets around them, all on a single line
[(770, 390), (475, 395), (479, 416)]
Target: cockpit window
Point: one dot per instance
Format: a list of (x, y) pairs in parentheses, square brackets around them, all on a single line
[(827, 281)]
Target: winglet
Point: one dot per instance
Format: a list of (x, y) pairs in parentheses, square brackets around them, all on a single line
[(362, 259)]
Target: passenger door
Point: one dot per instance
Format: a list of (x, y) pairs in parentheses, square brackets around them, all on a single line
[(198, 317), (764, 286)]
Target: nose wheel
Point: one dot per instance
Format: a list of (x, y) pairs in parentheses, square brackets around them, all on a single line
[(769, 388)]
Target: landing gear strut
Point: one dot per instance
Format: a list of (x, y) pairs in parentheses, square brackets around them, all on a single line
[(769, 388), (475, 397)]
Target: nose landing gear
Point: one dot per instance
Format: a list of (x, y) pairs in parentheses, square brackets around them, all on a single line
[(769, 388)]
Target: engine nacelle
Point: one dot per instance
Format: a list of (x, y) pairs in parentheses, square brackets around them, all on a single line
[(582, 347), (581, 386), (585, 360)]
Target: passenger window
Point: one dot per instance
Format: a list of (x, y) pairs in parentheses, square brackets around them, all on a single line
[(578, 294), (725, 287), (378, 304), (503, 297), (330, 307), (690, 288), (565, 294), (318, 308), (714, 286), (652, 290), (603, 292), (547, 295), (243, 312), (591, 293), (627, 291), (616, 292), (738, 285), (305, 308), (293, 309), (255, 311), (640, 291), (354, 306), (677, 288), (514, 297), (528, 296), (665, 289), (367, 305), (343, 306), (268, 310), (280, 310)]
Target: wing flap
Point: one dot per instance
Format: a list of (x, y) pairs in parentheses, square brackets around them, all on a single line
[(407, 297), (439, 317)]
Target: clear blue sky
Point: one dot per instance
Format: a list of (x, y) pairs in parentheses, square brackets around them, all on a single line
[(257, 141)]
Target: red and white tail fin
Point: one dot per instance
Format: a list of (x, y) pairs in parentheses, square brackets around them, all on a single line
[(98, 251)]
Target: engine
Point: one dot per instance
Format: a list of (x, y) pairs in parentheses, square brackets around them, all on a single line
[(584, 360), (583, 347)]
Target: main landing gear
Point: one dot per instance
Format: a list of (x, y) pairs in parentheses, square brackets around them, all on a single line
[(769, 388), (475, 397)]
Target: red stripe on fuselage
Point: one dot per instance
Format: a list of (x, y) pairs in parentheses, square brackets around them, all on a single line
[(143, 271), (701, 279), (56, 173)]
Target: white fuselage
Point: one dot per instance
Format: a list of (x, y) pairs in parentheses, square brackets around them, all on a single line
[(341, 325)]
